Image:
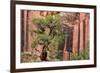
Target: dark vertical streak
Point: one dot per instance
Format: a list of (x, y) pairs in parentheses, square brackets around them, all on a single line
[(84, 34), (79, 36), (27, 30), (22, 30), (69, 40), (69, 55), (72, 40), (71, 44)]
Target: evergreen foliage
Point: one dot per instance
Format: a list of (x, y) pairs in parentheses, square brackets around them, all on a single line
[(51, 40)]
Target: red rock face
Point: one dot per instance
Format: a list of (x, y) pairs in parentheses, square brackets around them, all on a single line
[(80, 31), (82, 17), (75, 36), (81, 28), (28, 25)]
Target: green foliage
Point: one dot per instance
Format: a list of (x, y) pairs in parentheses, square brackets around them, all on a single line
[(54, 37), (37, 21), (48, 21), (84, 55)]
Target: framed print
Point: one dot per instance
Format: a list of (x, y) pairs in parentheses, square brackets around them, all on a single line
[(52, 36)]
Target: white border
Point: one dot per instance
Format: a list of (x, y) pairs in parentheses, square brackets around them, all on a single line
[(59, 63)]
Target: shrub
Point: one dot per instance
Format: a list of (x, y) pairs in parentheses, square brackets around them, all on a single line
[(84, 55)]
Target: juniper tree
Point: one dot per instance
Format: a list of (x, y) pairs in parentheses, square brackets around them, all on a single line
[(49, 39)]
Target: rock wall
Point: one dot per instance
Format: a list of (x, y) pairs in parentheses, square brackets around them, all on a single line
[(78, 22)]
